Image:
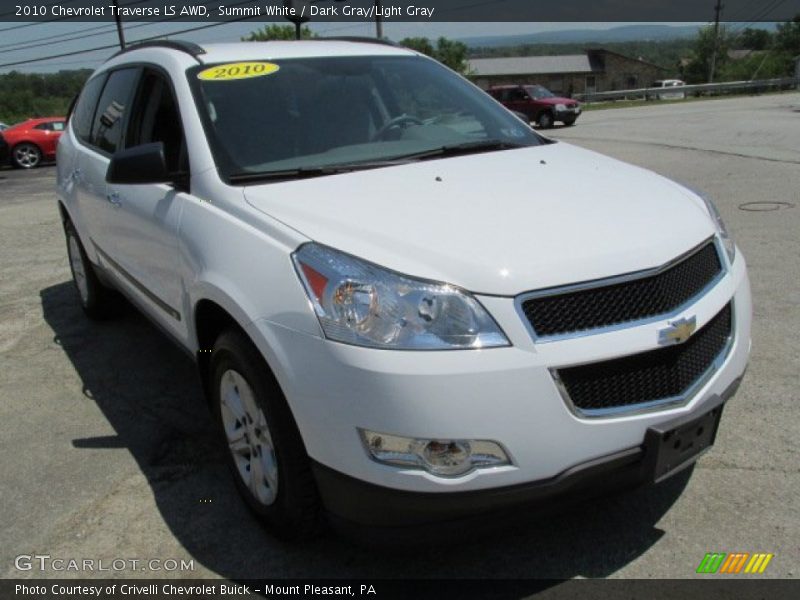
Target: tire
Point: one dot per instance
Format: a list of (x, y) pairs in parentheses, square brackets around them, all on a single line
[(569, 122), (545, 120), (262, 443), (26, 156), (97, 301)]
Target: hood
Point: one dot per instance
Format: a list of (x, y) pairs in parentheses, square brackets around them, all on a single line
[(497, 223)]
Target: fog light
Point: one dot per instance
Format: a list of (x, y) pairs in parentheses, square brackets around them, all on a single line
[(447, 458)]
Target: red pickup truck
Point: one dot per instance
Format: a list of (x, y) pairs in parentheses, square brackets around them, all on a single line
[(537, 103)]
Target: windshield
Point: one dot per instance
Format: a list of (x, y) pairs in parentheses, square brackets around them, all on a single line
[(314, 113), (537, 92)]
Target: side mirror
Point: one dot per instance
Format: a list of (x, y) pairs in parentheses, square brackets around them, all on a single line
[(140, 164)]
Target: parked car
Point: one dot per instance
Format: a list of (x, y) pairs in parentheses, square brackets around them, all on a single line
[(540, 105), (673, 89), (34, 141), (405, 305)]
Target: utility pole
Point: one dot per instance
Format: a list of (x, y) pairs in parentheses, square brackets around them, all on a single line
[(119, 26), (717, 13), (378, 20)]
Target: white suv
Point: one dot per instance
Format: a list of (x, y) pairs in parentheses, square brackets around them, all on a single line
[(405, 305)]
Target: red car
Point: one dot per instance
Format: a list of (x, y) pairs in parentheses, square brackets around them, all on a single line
[(33, 141), (537, 103)]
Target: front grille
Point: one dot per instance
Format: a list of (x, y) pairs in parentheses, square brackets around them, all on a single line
[(627, 301), (648, 377)]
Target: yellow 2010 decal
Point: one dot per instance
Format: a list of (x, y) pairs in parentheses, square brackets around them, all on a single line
[(240, 70)]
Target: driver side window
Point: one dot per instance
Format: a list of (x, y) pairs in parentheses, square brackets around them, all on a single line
[(156, 118)]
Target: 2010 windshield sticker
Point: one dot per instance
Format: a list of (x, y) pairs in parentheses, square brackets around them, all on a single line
[(240, 70)]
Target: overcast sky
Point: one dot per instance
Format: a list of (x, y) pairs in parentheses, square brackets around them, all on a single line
[(90, 35)]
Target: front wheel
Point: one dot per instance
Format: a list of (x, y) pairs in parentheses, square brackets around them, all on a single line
[(26, 156), (264, 449), (545, 120), (569, 122)]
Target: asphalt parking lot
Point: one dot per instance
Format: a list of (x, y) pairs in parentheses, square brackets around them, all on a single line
[(108, 451)]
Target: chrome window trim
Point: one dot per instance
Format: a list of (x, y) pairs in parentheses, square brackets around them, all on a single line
[(617, 279), (652, 405)]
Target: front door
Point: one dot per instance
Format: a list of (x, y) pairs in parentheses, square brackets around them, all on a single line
[(144, 228)]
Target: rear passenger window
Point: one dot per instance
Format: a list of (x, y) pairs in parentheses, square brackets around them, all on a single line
[(83, 114), (111, 109)]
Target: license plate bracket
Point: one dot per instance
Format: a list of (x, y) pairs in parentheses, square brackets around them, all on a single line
[(672, 446)]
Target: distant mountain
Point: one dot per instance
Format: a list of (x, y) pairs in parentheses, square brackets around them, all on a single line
[(625, 33)]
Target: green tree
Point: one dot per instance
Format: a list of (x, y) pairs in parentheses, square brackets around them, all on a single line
[(278, 32), (451, 53), (787, 38), (699, 68), (24, 95), (420, 44), (763, 65), (776, 59), (754, 39)]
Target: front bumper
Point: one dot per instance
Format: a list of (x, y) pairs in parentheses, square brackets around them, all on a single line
[(569, 114), (507, 395), (353, 502)]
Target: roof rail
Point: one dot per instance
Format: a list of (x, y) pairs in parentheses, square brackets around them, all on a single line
[(188, 47), (356, 38)]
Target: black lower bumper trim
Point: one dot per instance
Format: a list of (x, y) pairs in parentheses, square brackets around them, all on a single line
[(357, 502)]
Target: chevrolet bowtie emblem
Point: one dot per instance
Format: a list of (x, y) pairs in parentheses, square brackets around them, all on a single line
[(678, 331)]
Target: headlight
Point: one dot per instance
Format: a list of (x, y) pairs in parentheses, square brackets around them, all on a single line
[(360, 303), (727, 241), (561, 107)]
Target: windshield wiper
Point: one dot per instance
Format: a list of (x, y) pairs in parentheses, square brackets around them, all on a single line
[(308, 172), (465, 148), (321, 171), (299, 173)]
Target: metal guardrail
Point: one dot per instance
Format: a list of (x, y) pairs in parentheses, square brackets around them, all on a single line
[(653, 93)]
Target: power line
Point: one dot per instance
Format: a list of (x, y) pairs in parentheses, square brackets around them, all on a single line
[(110, 46), (107, 29), (43, 58), (15, 45), (67, 62), (760, 13)]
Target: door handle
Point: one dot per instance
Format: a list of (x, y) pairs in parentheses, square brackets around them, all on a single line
[(113, 198)]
